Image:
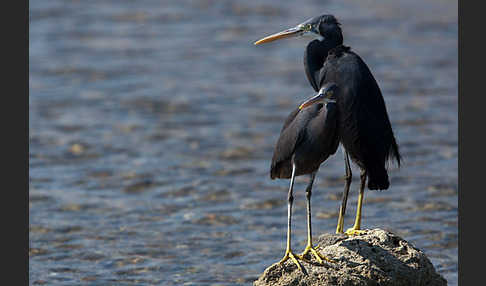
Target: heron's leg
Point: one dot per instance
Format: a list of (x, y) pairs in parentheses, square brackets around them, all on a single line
[(310, 247), (356, 229), (288, 252), (348, 178)]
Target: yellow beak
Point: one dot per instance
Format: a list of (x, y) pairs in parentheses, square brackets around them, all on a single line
[(313, 100), (292, 32)]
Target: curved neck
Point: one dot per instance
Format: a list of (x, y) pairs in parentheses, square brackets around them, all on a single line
[(314, 57)]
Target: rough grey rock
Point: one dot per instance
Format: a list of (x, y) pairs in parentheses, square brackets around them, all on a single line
[(377, 257)]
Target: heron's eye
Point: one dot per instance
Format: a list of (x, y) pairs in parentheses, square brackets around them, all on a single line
[(307, 27)]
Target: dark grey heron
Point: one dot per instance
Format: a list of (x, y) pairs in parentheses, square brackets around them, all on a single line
[(364, 127), (309, 136)]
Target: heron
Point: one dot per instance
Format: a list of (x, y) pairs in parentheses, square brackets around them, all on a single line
[(308, 137), (366, 134)]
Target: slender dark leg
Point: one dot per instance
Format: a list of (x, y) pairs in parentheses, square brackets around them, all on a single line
[(356, 230), (288, 252), (347, 178), (310, 247), (308, 194)]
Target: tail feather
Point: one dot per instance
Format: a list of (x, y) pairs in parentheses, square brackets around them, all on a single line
[(394, 152), (378, 179)]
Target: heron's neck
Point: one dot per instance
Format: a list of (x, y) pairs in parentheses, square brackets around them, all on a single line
[(329, 44), (314, 57)]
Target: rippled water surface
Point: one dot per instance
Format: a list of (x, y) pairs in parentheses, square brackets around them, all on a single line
[(152, 126)]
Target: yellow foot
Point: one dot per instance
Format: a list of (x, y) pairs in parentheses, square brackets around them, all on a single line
[(354, 231), (316, 254), (291, 255)]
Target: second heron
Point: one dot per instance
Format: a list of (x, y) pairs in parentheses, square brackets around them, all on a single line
[(309, 136)]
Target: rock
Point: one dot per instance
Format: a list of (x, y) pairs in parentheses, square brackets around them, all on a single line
[(377, 257)]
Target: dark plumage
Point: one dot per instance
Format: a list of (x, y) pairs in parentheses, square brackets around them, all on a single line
[(365, 128), (308, 137)]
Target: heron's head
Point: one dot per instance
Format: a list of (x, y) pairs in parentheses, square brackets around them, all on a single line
[(324, 28), (325, 95)]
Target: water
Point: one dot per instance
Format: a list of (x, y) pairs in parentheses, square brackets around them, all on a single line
[(152, 126)]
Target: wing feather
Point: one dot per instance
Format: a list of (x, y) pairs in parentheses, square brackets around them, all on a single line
[(286, 144)]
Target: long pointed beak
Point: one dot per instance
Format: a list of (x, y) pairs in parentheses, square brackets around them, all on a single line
[(292, 32), (320, 97), (326, 94)]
